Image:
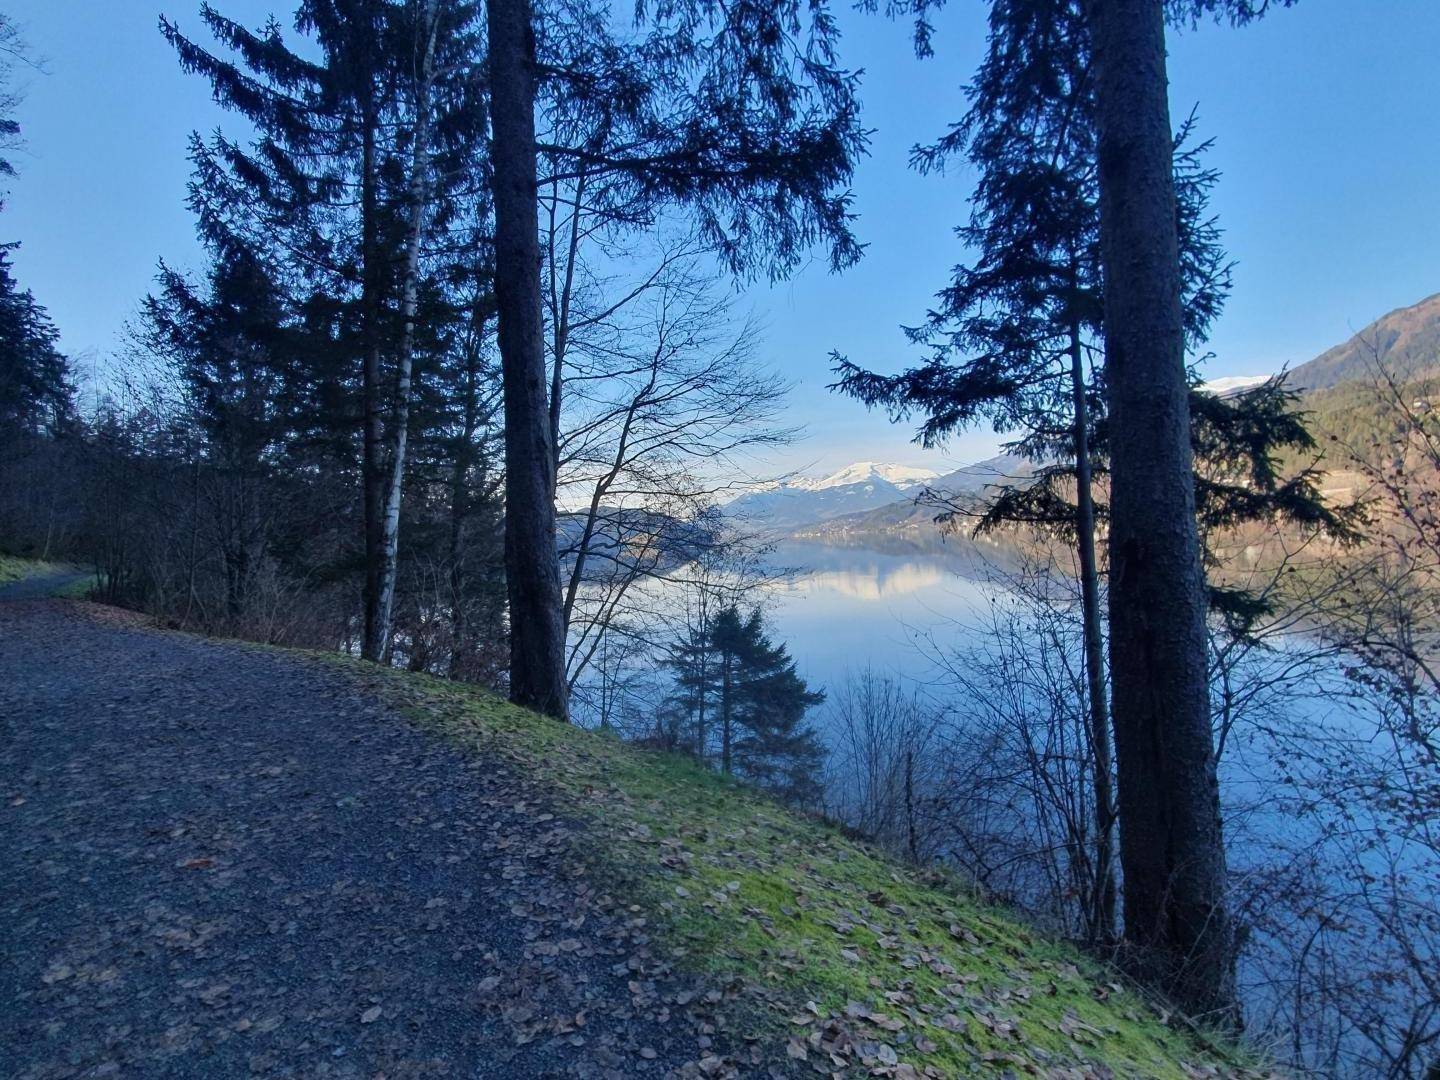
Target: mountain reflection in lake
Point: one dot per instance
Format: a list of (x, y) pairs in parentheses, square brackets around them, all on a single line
[(1307, 874), (843, 609)]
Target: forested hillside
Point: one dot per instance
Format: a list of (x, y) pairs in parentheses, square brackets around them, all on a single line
[(1405, 343)]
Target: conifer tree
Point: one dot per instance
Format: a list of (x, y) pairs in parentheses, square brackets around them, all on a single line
[(1171, 846), (230, 345), (730, 677), (366, 138), (35, 387), (694, 676), (1026, 319), (1015, 334), (776, 748)]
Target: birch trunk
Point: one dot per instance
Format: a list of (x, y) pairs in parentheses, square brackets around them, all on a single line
[(400, 416)]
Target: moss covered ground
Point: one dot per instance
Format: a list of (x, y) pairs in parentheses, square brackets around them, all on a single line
[(14, 568), (852, 962)]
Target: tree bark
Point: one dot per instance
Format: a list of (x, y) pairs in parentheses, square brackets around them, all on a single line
[(725, 706), (400, 417), (1102, 900), (463, 459), (537, 635), (372, 476), (1170, 838)]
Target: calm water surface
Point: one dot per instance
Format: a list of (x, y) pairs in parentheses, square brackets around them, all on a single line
[(848, 608)]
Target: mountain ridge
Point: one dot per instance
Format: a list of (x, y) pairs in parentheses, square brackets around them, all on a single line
[(1405, 340), (866, 497), (859, 486)]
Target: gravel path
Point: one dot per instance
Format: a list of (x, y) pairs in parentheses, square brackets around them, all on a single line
[(223, 861), (42, 585)]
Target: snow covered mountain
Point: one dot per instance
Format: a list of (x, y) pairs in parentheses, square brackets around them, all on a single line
[(864, 485), (1229, 385), (902, 477)]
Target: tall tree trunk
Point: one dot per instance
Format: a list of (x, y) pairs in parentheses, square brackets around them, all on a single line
[(464, 458), (532, 570), (560, 298), (371, 467), (1170, 841), (419, 195), (1102, 900), (725, 706)]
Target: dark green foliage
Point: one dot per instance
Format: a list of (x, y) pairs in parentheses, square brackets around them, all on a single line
[(291, 354), (739, 112), (1004, 332), (1240, 443), (732, 673), (1235, 12), (1357, 419), (35, 389), (1007, 332), (322, 187), (232, 349)]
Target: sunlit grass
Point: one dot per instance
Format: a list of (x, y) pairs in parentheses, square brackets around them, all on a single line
[(820, 927)]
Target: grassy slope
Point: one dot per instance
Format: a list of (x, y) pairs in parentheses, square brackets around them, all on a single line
[(848, 958), (14, 568)]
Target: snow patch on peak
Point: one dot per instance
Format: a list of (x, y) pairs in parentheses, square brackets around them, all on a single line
[(867, 472), (1233, 384)]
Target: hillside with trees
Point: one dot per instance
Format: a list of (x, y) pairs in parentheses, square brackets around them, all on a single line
[(1404, 343), (432, 707)]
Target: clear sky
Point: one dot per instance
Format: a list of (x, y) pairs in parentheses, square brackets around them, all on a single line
[(1326, 120)]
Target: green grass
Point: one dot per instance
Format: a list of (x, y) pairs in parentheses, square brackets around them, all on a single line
[(832, 945), (83, 589), (14, 568)]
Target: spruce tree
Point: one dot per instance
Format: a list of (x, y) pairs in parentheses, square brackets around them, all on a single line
[(354, 174), (776, 748), (1171, 847), (689, 660), (730, 677), (230, 343), (35, 387), (35, 384), (1016, 334)]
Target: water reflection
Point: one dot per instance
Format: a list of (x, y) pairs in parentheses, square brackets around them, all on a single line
[(843, 609)]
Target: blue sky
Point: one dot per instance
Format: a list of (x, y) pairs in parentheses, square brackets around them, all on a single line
[(1326, 120)]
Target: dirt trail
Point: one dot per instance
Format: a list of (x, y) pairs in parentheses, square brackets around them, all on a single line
[(223, 861), (42, 585)]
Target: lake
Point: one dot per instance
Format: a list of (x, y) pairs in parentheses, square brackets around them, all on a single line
[(843, 609)]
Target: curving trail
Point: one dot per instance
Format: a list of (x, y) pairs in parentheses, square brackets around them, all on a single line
[(225, 861)]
